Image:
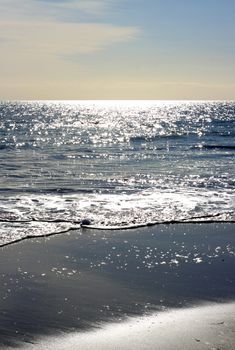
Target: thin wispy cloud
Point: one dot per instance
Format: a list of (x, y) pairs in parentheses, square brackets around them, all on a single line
[(41, 38), (75, 10), (47, 37), (91, 7), (26, 27)]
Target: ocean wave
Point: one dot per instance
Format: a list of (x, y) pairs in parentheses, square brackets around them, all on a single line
[(44, 228), (37, 215), (215, 147)]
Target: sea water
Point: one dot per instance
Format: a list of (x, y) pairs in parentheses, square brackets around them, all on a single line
[(116, 163)]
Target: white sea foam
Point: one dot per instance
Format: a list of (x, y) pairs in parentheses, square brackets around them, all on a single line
[(109, 210)]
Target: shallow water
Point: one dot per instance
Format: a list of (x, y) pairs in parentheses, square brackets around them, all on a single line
[(117, 163)]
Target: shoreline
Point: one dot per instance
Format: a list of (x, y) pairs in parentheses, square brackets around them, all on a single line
[(78, 281), (208, 219)]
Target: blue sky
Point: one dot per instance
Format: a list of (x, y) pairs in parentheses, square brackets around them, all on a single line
[(125, 49)]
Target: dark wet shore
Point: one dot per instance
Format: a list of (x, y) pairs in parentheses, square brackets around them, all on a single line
[(78, 281)]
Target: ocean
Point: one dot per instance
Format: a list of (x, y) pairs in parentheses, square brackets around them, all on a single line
[(117, 163)]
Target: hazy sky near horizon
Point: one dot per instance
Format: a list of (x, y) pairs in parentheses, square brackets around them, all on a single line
[(117, 49)]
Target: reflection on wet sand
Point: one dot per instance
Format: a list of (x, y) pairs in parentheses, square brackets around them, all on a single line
[(81, 280)]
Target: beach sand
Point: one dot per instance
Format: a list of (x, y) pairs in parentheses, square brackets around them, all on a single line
[(161, 287), (203, 327)]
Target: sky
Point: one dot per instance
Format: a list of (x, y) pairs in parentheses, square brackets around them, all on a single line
[(117, 49)]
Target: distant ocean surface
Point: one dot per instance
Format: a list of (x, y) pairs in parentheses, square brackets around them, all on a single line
[(117, 163)]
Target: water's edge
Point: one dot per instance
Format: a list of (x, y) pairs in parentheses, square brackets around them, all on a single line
[(79, 226)]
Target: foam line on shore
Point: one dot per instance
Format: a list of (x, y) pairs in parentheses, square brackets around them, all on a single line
[(208, 219), (40, 236)]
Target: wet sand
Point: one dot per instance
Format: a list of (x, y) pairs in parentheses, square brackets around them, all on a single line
[(161, 287)]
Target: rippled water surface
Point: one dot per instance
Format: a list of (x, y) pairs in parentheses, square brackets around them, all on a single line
[(118, 163)]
